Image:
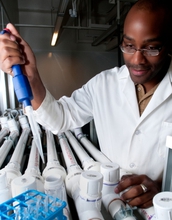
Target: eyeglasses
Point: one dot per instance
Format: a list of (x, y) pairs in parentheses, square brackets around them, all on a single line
[(145, 52)]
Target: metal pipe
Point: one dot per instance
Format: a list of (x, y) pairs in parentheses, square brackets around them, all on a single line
[(34, 25), (86, 28), (12, 98)]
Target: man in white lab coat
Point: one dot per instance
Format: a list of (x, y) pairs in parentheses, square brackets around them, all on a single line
[(131, 105)]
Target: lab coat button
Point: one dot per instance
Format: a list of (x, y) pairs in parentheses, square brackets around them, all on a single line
[(137, 132), (132, 165)]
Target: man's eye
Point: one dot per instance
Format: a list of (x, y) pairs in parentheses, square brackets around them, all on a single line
[(152, 48), (129, 46)]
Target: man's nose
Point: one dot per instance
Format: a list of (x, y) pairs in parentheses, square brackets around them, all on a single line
[(138, 57)]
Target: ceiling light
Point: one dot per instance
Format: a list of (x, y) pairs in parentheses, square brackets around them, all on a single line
[(54, 39), (59, 20)]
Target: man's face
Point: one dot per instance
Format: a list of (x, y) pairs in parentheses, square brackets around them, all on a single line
[(144, 30)]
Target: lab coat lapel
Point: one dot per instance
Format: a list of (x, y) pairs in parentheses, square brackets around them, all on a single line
[(131, 98), (163, 91)]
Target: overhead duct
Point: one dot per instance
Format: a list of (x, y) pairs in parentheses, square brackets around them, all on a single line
[(59, 20)]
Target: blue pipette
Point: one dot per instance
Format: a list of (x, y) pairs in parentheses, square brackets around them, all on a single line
[(24, 94)]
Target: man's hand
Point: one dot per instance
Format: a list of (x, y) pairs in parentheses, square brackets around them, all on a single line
[(139, 190), (14, 50)]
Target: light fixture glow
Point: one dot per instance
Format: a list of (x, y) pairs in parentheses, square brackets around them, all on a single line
[(59, 19), (54, 39)]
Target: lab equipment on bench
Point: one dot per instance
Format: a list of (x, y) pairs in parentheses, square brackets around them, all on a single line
[(54, 174), (84, 187), (13, 167), (110, 171)]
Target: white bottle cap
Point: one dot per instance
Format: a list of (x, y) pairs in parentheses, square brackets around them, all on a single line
[(110, 172), (91, 183), (163, 205), (22, 184)]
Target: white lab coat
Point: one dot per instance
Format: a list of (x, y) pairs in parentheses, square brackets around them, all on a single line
[(137, 144)]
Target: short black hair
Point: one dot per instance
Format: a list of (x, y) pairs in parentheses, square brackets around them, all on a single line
[(155, 5)]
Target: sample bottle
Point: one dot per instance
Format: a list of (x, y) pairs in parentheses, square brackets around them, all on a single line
[(55, 187)]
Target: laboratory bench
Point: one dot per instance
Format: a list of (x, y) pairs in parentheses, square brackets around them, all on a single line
[(42, 166)]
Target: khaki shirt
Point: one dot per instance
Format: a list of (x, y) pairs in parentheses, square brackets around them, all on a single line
[(143, 97)]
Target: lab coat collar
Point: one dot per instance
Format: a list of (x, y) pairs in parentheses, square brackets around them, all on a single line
[(128, 89), (163, 91)]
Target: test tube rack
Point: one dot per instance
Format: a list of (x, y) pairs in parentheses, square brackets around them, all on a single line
[(33, 205)]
